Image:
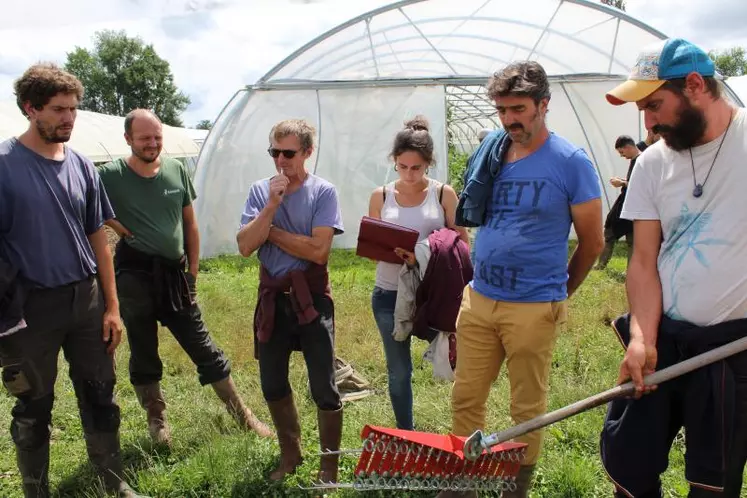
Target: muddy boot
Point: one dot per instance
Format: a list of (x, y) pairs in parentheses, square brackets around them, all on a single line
[(125, 491), (151, 399), (523, 483), (226, 391), (103, 451), (33, 466), (330, 433), (285, 418)]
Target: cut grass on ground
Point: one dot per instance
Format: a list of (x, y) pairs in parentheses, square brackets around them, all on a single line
[(212, 458)]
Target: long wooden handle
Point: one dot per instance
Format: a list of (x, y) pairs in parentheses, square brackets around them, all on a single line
[(626, 389)]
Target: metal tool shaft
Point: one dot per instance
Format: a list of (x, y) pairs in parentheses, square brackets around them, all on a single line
[(478, 442)]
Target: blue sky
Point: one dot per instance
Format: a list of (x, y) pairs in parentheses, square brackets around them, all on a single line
[(217, 46)]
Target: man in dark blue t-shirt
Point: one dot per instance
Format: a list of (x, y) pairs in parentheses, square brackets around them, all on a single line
[(512, 308), (52, 213)]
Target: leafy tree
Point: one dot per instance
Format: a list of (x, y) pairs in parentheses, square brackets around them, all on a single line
[(122, 73), (205, 124), (457, 166), (618, 4), (730, 62)]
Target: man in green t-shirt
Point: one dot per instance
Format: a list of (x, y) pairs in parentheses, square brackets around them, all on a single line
[(152, 200)]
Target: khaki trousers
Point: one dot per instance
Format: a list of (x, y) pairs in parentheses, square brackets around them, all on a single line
[(489, 332)]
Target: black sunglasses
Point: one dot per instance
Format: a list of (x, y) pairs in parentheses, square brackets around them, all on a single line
[(287, 153)]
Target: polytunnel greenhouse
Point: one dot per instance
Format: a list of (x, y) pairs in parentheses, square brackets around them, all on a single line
[(359, 82)]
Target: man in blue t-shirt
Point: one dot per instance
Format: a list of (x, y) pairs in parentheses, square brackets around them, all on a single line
[(517, 299), (290, 220), (52, 213)]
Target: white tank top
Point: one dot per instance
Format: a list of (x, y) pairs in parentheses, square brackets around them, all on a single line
[(425, 218)]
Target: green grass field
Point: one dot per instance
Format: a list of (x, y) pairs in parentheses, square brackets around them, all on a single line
[(212, 458)]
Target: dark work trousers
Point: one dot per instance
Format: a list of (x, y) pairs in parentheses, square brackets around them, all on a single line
[(736, 457), (141, 316), (69, 318), (609, 246), (316, 341)]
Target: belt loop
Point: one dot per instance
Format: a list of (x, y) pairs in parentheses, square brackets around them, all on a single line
[(75, 306)]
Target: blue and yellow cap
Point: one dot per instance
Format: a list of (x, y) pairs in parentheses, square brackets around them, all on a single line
[(666, 60)]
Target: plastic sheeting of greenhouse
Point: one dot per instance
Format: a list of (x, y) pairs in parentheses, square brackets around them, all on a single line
[(738, 84), (99, 137), (360, 81)]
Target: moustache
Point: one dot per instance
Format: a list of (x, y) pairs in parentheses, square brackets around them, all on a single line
[(659, 129), (516, 126)]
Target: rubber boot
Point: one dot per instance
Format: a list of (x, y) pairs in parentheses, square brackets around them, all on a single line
[(330, 434), (103, 451), (523, 483), (226, 391), (151, 399), (33, 466), (285, 418)]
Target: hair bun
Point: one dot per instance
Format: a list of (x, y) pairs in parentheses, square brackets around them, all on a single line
[(418, 123)]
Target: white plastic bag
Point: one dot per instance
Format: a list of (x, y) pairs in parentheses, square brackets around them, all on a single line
[(438, 354)]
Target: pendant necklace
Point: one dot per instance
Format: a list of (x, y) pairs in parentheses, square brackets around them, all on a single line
[(698, 187)]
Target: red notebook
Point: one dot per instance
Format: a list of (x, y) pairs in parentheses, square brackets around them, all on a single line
[(377, 240)]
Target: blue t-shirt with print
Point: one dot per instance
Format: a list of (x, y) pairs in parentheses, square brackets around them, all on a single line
[(521, 250)]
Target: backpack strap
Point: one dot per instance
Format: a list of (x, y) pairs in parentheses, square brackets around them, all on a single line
[(383, 195)]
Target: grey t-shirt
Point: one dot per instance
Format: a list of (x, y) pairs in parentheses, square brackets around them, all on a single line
[(703, 253), (314, 205), (47, 210)]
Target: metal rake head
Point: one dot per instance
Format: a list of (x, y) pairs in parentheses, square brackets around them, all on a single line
[(394, 459)]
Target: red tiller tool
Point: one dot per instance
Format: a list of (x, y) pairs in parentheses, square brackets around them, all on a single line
[(393, 459)]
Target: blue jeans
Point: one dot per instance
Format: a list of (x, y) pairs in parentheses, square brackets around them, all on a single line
[(398, 359)]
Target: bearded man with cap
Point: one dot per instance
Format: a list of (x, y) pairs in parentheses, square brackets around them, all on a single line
[(686, 296)]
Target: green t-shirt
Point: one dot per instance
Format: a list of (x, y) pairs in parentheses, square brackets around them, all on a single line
[(150, 208)]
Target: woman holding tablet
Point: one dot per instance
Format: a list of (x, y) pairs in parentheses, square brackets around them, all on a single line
[(420, 203)]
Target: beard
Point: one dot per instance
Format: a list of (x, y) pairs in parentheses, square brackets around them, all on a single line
[(687, 131), (143, 156), (53, 134), (524, 136)]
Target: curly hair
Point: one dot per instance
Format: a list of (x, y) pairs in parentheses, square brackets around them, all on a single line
[(43, 81), (525, 78)]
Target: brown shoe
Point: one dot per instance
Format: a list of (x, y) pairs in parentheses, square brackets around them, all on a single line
[(330, 433), (226, 391), (151, 399), (285, 418)]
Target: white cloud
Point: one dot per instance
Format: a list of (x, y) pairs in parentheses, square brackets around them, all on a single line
[(214, 47), (710, 24), (217, 46)]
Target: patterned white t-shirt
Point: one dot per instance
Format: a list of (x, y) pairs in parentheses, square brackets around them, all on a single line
[(703, 256)]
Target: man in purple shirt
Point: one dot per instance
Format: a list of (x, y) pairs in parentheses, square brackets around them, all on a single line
[(290, 220), (52, 212)]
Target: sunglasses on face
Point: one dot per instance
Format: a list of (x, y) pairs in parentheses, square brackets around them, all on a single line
[(287, 153)]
